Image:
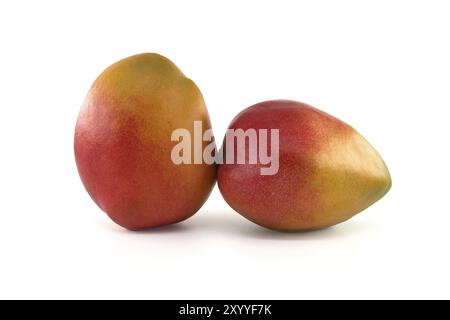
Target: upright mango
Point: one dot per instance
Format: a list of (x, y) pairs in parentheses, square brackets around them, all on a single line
[(123, 143)]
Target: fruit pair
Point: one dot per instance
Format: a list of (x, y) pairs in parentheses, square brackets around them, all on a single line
[(132, 123)]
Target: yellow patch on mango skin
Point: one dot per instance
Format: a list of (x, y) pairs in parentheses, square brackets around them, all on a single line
[(350, 175), (151, 88)]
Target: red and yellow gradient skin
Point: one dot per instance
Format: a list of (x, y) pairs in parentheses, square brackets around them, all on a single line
[(123, 143), (327, 171)]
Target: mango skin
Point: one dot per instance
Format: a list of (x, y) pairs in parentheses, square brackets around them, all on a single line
[(327, 171), (123, 143)]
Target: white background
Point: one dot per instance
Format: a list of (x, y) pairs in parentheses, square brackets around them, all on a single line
[(382, 66)]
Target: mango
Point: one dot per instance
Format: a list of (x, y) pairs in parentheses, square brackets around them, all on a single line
[(123, 143), (326, 172)]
